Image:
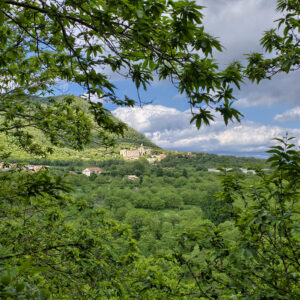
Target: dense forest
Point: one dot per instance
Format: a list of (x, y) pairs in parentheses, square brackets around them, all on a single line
[(176, 230), (165, 198)]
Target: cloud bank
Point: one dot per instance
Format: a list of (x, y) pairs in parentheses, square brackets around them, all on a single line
[(170, 129), (289, 115)]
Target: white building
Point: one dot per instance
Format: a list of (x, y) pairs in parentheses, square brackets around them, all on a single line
[(218, 171), (134, 153), (89, 171), (246, 171)]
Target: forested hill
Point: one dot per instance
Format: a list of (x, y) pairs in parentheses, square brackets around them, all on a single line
[(94, 151), (131, 137)]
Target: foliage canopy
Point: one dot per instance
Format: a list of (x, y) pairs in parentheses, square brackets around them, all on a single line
[(43, 42), (282, 43)]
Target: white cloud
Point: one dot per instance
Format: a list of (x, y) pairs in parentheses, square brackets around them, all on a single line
[(239, 24), (282, 89), (259, 100), (289, 115), (152, 118), (170, 129)]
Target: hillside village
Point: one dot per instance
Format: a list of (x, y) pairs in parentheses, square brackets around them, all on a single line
[(136, 153), (128, 154), (26, 168), (131, 154)]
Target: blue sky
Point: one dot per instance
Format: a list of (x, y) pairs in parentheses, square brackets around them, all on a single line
[(270, 108)]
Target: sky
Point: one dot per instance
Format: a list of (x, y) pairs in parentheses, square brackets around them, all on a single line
[(270, 109)]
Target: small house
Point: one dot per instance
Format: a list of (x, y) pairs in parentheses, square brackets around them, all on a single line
[(246, 171), (213, 170), (89, 171), (132, 177), (35, 168)]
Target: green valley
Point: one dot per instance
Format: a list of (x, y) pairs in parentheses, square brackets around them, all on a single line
[(148, 225)]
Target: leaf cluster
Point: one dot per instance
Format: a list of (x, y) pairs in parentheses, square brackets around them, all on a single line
[(282, 43)]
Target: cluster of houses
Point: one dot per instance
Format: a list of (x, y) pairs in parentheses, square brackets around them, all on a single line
[(35, 168), (26, 168), (155, 158), (136, 153), (128, 154), (97, 171)]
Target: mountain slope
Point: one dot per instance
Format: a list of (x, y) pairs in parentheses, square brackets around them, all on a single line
[(94, 151)]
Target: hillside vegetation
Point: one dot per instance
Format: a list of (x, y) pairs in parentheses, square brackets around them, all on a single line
[(177, 229), (94, 151)]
